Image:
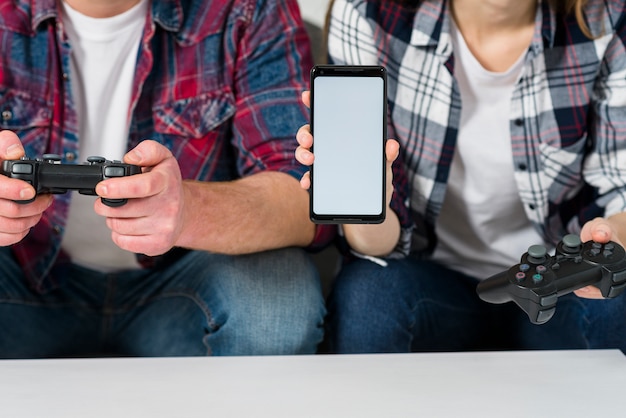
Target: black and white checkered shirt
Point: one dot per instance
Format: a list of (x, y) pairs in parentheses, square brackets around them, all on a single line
[(567, 121)]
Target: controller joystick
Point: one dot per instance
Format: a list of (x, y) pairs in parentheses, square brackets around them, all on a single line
[(537, 254), (47, 175), (536, 283)]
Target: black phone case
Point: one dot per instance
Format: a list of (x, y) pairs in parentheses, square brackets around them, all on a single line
[(349, 71)]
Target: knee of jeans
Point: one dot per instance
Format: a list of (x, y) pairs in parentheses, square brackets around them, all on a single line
[(279, 309), (271, 326)]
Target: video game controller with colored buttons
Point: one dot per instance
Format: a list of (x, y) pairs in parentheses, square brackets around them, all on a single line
[(536, 283), (48, 175)]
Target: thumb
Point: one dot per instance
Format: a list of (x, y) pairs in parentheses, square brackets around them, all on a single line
[(147, 153)]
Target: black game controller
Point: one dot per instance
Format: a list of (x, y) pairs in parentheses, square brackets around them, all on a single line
[(536, 283), (48, 175)]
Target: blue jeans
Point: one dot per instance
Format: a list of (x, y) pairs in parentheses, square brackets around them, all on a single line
[(203, 304), (418, 305)]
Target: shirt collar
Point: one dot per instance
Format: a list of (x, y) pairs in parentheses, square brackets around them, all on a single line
[(169, 14), (431, 27)]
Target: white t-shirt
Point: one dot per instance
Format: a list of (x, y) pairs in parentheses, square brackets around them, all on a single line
[(482, 228), (104, 54)]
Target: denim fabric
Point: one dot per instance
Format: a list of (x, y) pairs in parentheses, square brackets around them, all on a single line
[(203, 304), (418, 305)]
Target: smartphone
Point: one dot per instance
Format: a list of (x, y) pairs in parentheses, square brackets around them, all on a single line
[(349, 127)]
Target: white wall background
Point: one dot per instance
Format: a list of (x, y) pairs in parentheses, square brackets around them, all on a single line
[(313, 11)]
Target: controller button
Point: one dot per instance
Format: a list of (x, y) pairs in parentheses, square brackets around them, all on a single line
[(545, 315), (616, 290), (96, 159), (51, 158), (114, 171), (594, 252), (607, 253), (537, 254), (609, 246), (537, 278), (548, 300), (571, 243), (619, 276), (524, 267), (520, 276), (578, 259), (18, 168), (541, 269), (556, 266), (596, 245)]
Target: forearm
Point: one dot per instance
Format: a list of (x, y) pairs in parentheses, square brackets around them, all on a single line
[(375, 240), (260, 212)]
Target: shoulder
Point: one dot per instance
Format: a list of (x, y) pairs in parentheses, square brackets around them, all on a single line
[(394, 18), (18, 16), (605, 17), (199, 19)]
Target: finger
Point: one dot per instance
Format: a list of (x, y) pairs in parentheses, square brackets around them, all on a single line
[(147, 154), (19, 226), (135, 226), (305, 181), (144, 244), (598, 229), (7, 239), (304, 156), (15, 209), (304, 137), (392, 150), (589, 292), (15, 189), (142, 185), (306, 98)]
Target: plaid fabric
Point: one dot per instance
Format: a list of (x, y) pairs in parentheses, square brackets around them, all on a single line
[(218, 82), (567, 123)]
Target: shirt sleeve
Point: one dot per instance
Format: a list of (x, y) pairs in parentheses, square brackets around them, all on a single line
[(605, 164), (273, 59)]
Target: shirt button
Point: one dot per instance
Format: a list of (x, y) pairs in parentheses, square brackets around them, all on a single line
[(519, 122), (65, 76), (7, 114), (531, 206), (56, 230), (522, 166), (70, 156)]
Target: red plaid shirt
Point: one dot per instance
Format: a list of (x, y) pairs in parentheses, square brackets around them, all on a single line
[(217, 82)]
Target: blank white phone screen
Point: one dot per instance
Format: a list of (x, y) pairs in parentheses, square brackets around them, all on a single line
[(348, 142)]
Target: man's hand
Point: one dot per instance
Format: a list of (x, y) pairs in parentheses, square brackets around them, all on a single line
[(152, 220), (16, 219)]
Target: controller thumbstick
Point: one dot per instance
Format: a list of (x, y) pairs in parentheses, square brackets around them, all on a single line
[(537, 254), (571, 243), (51, 158), (96, 159)]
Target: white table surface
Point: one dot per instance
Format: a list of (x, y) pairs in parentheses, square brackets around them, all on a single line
[(488, 384)]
